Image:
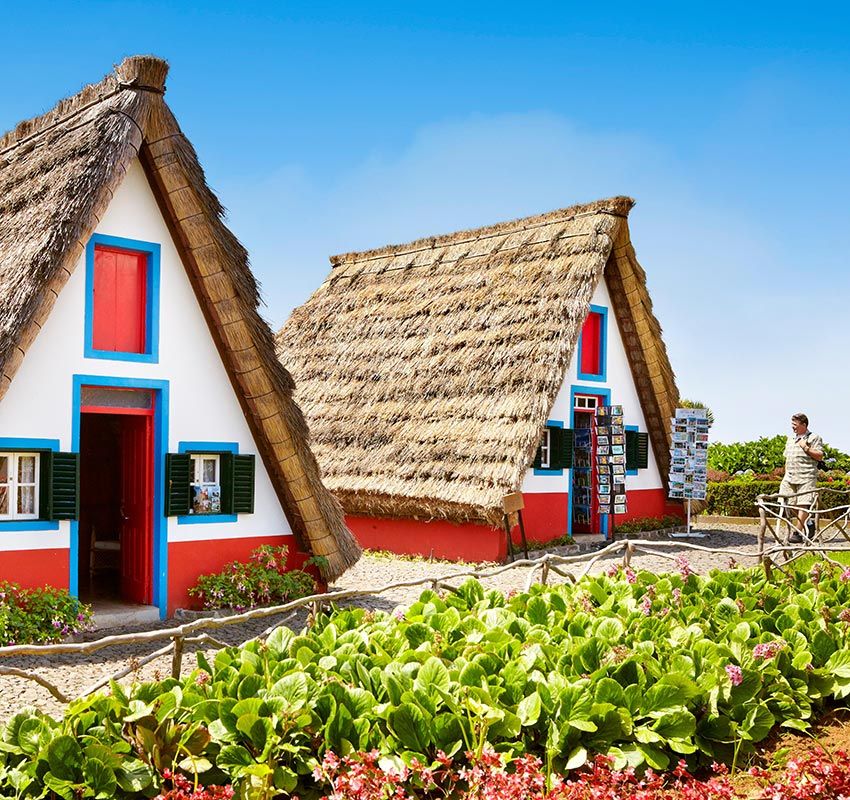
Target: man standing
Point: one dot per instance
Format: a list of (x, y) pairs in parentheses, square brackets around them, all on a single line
[(803, 451)]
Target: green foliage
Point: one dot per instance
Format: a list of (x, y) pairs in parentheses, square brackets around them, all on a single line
[(648, 524), (645, 668), (39, 616), (737, 498), (763, 456), (263, 580)]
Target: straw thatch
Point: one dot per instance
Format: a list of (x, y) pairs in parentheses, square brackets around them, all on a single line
[(57, 175), (427, 371)]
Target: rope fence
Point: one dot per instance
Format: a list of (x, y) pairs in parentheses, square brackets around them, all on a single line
[(196, 633)]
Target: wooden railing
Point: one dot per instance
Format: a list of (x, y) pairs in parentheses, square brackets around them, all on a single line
[(779, 517), (196, 633)]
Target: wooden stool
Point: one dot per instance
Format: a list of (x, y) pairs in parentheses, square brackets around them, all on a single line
[(513, 504)]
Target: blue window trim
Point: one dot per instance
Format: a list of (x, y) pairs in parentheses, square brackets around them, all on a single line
[(152, 251), (551, 423), (206, 447), (603, 349), (634, 428), (160, 448), (19, 445), (599, 392)]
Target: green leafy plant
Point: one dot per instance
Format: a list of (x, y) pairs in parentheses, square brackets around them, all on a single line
[(645, 669), (764, 455), (737, 498), (39, 616), (647, 524), (263, 580)]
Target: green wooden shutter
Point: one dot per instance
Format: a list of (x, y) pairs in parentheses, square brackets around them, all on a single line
[(178, 472), (63, 494), (244, 468), (631, 449), (642, 450), (226, 467), (45, 507), (564, 451)]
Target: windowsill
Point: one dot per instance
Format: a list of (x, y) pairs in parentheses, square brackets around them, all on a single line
[(29, 525), (581, 376), (200, 519), (116, 355), (553, 472)]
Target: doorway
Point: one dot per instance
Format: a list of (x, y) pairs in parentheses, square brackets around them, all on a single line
[(116, 496), (584, 491)]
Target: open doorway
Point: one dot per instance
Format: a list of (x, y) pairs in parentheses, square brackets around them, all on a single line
[(584, 490), (116, 499)]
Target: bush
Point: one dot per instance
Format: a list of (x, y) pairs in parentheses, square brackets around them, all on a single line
[(648, 524), (39, 616), (763, 456), (264, 580), (645, 669), (737, 497)]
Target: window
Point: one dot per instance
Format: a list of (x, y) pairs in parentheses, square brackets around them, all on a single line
[(592, 345), (122, 299), (19, 484), (206, 484), (555, 452), (582, 401), (545, 448)]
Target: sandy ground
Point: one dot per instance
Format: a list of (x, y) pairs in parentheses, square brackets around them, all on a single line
[(73, 674)]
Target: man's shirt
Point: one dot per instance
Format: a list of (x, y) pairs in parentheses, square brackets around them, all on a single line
[(800, 467)]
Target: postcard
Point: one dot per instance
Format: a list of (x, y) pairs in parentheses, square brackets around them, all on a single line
[(603, 477), (604, 488), (603, 440), (617, 420), (621, 459), (619, 498), (620, 509), (616, 410), (618, 469), (617, 449), (603, 460), (602, 430), (619, 488), (619, 439)]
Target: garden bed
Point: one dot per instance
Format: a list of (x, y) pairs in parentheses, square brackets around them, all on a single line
[(647, 669)]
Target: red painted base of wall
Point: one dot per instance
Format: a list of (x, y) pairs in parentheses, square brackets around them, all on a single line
[(35, 568), (188, 560), (545, 518), (641, 503)]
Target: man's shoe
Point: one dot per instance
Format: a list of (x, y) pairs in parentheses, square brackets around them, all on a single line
[(795, 538)]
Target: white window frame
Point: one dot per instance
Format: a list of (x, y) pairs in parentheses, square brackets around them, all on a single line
[(198, 474), (546, 449), (12, 485), (585, 401)]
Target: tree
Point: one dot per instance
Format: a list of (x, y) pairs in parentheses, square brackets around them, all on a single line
[(683, 403)]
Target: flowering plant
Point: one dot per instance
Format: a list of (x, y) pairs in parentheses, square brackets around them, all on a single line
[(39, 616), (263, 580)]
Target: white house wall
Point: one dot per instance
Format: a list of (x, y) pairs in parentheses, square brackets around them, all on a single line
[(623, 392), (203, 405)]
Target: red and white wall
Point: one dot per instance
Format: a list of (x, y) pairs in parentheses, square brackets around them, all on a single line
[(547, 496), (202, 408)]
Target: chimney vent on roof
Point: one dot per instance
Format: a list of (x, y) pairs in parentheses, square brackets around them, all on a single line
[(143, 72)]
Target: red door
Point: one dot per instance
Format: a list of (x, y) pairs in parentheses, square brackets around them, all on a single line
[(136, 509)]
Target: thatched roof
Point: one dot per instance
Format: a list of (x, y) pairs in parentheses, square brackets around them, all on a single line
[(427, 370), (57, 175)]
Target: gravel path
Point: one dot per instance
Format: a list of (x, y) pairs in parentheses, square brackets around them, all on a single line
[(75, 673)]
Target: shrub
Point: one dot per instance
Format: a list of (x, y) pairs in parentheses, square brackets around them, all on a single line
[(39, 616), (647, 524), (263, 580), (763, 456), (737, 498)]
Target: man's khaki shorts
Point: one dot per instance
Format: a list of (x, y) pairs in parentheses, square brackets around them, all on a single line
[(805, 492)]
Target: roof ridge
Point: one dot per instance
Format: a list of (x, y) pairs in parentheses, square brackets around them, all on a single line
[(135, 73), (618, 206)]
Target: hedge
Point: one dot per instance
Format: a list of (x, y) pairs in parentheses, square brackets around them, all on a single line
[(738, 499)]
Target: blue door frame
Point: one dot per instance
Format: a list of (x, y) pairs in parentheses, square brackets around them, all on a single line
[(593, 391), (160, 448)]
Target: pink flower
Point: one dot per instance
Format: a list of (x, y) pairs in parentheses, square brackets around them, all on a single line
[(845, 576), (646, 605), (684, 567), (631, 577), (735, 675), (767, 650)]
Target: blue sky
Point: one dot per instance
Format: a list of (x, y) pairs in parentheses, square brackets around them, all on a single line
[(327, 127)]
